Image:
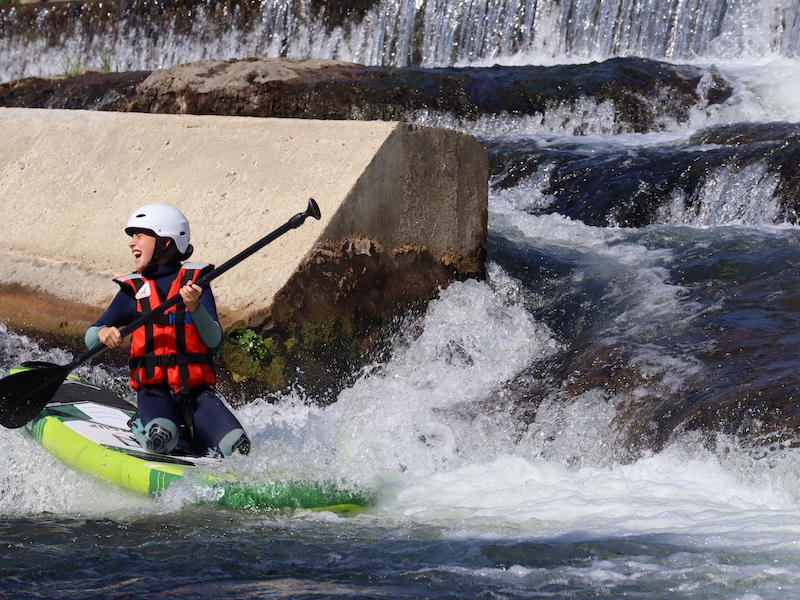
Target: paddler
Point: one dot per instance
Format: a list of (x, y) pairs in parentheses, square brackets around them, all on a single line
[(171, 356)]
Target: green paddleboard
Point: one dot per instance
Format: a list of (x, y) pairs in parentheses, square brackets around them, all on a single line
[(86, 428)]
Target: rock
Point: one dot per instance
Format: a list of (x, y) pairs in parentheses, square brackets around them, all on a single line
[(250, 87), (91, 91), (639, 93), (634, 94)]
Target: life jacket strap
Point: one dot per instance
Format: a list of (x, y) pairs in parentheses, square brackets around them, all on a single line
[(169, 360), (171, 318)]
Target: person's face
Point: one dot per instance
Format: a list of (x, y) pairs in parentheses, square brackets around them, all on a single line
[(142, 246)]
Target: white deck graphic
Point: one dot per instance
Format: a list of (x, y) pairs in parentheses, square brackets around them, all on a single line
[(108, 426)]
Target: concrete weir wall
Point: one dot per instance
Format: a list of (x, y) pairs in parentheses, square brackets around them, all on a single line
[(387, 191)]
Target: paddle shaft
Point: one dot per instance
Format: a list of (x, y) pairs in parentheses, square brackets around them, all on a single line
[(203, 282), (24, 394)]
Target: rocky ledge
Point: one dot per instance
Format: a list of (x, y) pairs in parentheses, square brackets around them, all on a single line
[(640, 93)]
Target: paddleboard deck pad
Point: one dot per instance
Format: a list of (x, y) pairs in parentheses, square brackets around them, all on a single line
[(86, 427)]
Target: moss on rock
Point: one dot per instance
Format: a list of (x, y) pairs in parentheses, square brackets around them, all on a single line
[(246, 354)]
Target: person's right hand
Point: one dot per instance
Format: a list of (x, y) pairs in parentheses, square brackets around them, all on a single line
[(110, 336)]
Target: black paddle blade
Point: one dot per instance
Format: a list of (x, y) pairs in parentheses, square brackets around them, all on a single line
[(23, 395)]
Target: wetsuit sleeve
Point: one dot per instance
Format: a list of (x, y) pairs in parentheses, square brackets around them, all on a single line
[(207, 300), (206, 320)]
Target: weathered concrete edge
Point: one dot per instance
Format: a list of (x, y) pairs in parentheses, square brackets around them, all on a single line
[(372, 264), (444, 205)]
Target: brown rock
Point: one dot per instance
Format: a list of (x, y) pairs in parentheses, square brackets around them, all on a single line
[(268, 87)]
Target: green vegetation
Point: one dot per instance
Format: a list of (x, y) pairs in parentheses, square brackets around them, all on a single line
[(248, 355), (318, 357), (106, 61), (72, 66)]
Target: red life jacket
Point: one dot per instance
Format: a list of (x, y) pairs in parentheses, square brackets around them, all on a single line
[(168, 349)]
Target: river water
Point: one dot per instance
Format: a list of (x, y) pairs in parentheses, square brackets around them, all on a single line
[(611, 412)]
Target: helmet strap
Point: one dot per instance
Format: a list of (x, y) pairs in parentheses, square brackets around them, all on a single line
[(164, 251)]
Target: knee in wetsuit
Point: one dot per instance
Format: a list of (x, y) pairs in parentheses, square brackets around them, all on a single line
[(159, 435), (234, 441)]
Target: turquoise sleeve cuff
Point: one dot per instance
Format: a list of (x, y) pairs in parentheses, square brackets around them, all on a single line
[(209, 330), (91, 338)]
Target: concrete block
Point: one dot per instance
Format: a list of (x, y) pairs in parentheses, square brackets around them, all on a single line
[(70, 179)]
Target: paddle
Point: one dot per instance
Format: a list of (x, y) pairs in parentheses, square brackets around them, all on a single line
[(23, 395)]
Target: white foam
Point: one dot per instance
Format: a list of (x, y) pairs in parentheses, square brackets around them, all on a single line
[(682, 492), (764, 90), (418, 411), (32, 482)]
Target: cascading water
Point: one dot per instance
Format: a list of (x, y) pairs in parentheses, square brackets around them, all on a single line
[(140, 35), (611, 412)]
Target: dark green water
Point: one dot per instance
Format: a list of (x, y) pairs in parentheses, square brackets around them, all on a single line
[(210, 553)]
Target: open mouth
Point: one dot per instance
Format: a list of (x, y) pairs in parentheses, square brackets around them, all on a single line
[(136, 254)]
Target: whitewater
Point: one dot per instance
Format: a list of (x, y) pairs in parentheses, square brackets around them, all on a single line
[(534, 434), (468, 503)]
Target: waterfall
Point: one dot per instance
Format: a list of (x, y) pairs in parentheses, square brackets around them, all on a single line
[(141, 35)]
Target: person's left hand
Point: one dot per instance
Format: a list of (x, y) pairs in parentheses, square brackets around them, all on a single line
[(191, 296)]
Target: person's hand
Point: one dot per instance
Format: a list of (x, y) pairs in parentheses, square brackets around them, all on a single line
[(191, 296), (110, 336)]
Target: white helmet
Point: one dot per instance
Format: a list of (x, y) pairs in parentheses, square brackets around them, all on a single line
[(163, 220)]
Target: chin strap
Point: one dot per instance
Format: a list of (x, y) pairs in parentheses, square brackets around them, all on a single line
[(162, 250), (160, 253)]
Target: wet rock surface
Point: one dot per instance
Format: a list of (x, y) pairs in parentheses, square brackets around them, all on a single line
[(89, 91), (639, 93), (335, 90), (608, 190)]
